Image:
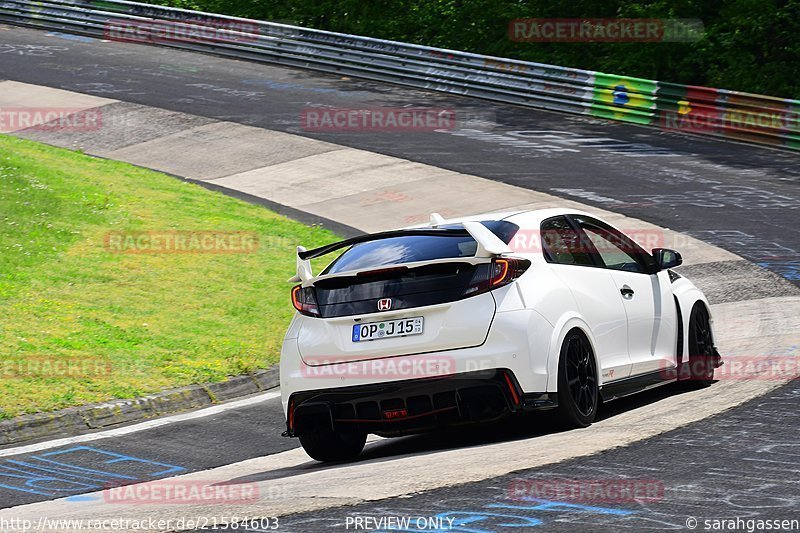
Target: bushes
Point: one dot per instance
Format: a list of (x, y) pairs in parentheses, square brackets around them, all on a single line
[(749, 45)]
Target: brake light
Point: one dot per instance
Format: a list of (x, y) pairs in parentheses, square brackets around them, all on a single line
[(514, 268), (498, 273), (304, 301), (381, 271)]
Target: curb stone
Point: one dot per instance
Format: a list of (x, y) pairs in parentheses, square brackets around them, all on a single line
[(74, 420)]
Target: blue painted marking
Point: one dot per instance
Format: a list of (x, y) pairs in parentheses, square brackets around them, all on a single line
[(61, 467), (620, 95), (34, 481), (546, 505), (29, 491), (47, 477), (469, 517), (475, 521), (61, 472), (118, 458), (788, 269)]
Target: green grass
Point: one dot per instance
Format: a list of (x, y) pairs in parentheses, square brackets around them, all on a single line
[(157, 320)]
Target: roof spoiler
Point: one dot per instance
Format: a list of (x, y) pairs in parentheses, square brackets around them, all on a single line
[(489, 245), (303, 268)]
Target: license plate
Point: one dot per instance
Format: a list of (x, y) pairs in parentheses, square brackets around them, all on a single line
[(388, 328)]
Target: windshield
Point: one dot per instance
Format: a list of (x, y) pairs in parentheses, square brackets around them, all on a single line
[(412, 248)]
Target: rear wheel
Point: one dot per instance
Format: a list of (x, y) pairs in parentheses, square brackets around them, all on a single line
[(702, 356), (328, 445), (578, 395)]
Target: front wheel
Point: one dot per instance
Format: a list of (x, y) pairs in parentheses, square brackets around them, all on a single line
[(578, 395), (702, 355), (327, 446)]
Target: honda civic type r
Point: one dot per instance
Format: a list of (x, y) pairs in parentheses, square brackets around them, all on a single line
[(471, 320)]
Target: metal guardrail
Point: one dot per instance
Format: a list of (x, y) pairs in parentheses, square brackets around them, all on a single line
[(685, 108)]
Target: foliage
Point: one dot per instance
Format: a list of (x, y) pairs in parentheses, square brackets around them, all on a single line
[(748, 45)]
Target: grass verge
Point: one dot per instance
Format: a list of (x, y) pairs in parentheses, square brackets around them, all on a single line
[(84, 320)]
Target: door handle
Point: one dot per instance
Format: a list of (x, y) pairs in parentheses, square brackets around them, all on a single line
[(626, 292)]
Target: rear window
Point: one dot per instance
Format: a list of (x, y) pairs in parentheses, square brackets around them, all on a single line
[(411, 248)]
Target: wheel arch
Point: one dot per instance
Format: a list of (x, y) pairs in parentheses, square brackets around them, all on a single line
[(686, 297), (566, 324)]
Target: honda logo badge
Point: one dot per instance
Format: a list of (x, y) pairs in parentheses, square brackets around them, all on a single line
[(384, 304)]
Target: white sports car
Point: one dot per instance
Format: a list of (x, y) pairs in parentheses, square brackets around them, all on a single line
[(474, 319)]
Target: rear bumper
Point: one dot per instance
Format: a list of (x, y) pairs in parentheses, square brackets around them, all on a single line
[(412, 406), (518, 341)]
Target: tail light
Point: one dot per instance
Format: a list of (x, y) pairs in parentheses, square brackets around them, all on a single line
[(304, 301), (499, 272)]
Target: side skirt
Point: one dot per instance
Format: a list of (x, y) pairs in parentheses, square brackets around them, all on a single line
[(634, 384)]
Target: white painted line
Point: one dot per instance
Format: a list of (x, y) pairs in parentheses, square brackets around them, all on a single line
[(143, 426)]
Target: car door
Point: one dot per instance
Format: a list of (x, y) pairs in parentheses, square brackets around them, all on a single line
[(594, 292), (644, 292)]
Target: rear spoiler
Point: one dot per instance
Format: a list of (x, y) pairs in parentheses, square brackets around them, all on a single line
[(489, 245)]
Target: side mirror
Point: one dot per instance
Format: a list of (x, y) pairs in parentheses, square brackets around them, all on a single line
[(666, 258)]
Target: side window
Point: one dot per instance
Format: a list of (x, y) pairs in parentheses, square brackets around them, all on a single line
[(562, 244), (616, 250)]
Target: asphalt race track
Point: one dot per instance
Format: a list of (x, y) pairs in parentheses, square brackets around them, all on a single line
[(732, 465), (745, 199), (176, 448), (742, 198)]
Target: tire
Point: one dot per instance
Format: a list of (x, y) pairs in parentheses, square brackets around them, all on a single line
[(702, 354), (578, 394), (328, 446)]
